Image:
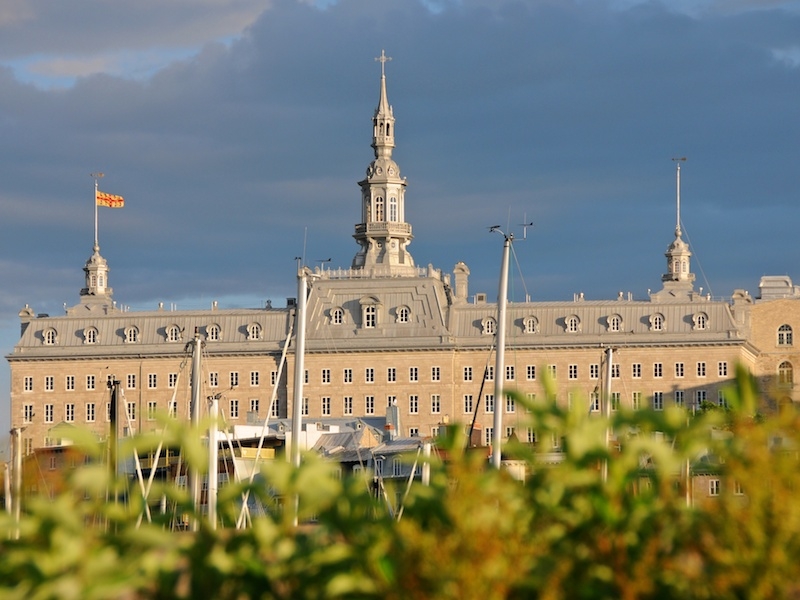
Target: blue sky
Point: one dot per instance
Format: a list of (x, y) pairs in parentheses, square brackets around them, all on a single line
[(237, 129)]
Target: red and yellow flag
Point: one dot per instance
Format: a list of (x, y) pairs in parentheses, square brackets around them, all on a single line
[(109, 200)]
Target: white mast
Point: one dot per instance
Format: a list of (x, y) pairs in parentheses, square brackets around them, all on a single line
[(499, 369), (607, 405), (299, 373), (194, 474), (678, 162), (213, 460), (96, 177)]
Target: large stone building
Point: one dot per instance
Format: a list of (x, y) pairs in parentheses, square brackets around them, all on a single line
[(386, 332)]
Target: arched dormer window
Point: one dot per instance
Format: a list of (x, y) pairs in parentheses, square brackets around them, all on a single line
[(173, 333), (369, 312), (337, 316), (213, 333), (572, 324), (785, 373), (614, 323), (489, 326), (657, 322), (254, 331), (785, 335), (50, 337), (403, 314), (90, 335), (530, 324), (131, 335), (700, 321)]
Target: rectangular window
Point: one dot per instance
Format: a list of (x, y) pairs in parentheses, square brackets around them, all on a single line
[(436, 374), (130, 381), (369, 375), (255, 378), (594, 402), (234, 409), (413, 431), (391, 374), (27, 413), (436, 404), (28, 384), (326, 376), (234, 378), (413, 374), (489, 373), (152, 408), (658, 400), (636, 370), (531, 435), (90, 412), (722, 369), (173, 409), (511, 406), (509, 432), (713, 487), (615, 371), (701, 369), (347, 376), (213, 379), (615, 398), (510, 373), (348, 405), (254, 402), (467, 373), (305, 376), (594, 371), (273, 376), (488, 403), (700, 396), (172, 380), (326, 406), (531, 372), (679, 369), (658, 370), (69, 413), (551, 370), (90, 382), (131, 411), (468, 404), (152, 381), (488, 435), (49, 383), (573, 372), (721, 399), (636, 399), (678, 397), (738, 490), (369, 405), (413, 405), (48, 413)]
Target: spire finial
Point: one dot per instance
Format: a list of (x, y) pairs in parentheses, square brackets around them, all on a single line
[(678, 162), (383, 59)]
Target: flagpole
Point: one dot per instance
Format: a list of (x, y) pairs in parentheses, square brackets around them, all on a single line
[(96, 176)]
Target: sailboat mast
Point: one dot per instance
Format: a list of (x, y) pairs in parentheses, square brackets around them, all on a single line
[(194, 474), (499, 370)]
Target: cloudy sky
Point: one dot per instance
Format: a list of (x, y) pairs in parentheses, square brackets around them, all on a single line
[(237, 130)]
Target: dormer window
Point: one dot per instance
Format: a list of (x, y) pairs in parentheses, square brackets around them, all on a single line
[(131, 335), (254, 331), (489, 326), (337, 316), (700, 321), (369, 312), (90, 335), (50, 337), (657, 322), (530, 325), (614, 323), (214, 333), (173, 333), (572, 324), (403, 314)]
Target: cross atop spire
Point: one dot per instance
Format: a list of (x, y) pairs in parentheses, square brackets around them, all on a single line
[(383, 59)]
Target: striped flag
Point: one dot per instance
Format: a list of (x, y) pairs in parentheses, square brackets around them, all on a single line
[(109, 200)]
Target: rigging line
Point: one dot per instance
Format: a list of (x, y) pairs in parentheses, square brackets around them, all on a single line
[(519, 269), (477, 404), (697, 259), (265, 427), (408, 484)]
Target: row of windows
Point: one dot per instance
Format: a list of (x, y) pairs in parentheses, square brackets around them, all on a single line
[(369, 315), (172, 333), (613, 323)]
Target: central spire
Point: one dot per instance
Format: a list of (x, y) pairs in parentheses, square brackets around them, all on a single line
[(383, 234)]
